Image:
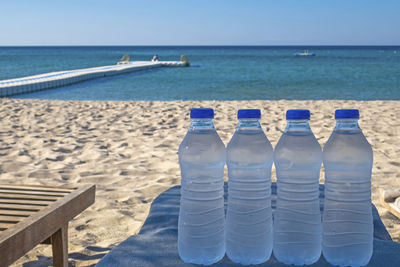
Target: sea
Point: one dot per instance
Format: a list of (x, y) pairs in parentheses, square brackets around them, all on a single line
[(217, 72)]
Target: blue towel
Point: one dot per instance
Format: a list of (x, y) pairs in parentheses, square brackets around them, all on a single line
[(156, 243)]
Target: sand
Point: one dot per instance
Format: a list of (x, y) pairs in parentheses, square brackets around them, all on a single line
[(129, 150)]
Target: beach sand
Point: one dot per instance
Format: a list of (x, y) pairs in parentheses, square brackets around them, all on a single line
[(129, 150)]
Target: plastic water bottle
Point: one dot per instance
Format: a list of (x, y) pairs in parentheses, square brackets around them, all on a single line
[(202, 156), (249, 214), (347, 219), (297, 220)]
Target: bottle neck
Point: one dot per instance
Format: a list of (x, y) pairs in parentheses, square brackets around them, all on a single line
[(298, 126), (201, 125), (249, 124), (347, 125)]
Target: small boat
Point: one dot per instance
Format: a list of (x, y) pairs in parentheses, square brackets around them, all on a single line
[(304, 54)]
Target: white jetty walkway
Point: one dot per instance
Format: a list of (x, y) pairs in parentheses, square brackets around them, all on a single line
[(62, 78)]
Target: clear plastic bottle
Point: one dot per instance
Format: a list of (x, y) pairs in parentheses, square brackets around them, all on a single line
[(202, 156), (297, 220), (249, 213), (347, 219)]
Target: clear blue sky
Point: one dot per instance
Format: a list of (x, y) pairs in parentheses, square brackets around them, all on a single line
[(199, 22)]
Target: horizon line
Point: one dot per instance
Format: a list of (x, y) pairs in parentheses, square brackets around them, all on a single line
[(209, 45)]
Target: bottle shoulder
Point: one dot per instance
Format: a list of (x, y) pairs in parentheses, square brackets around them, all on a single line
[(347, 150), (298, 152), (202, 144), (249, 148), (347, 141), (250, 140), (302, 142)]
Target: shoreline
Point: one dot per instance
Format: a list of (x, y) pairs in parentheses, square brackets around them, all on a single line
[(200, 101), (129, 150)]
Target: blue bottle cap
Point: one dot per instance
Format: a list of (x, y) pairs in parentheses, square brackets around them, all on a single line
[(249, 114), (347, 114), (297, 114), (201, 113)]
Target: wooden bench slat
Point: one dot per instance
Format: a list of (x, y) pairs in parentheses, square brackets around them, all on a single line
[(13, 219), (6, 225), (20, 207), (23, 213), (25, 201), (36, 193), (27, 197), (38, 188)]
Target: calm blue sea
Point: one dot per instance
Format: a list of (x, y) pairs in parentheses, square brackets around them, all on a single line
[(217, 73)]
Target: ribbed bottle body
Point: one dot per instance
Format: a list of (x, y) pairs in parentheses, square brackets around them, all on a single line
[(347, 217), (249, 215), (297, 221), (201, 234)]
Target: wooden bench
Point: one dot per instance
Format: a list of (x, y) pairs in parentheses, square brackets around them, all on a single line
[(30, 215)]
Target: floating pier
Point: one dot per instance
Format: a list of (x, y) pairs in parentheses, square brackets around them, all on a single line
[(62, 78)]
